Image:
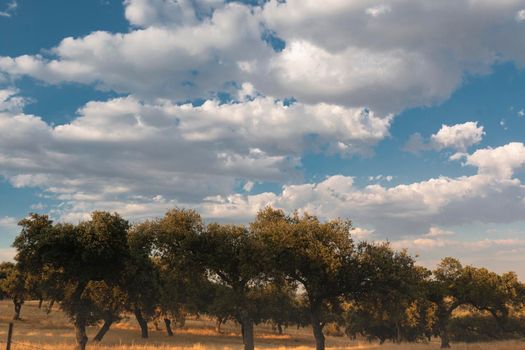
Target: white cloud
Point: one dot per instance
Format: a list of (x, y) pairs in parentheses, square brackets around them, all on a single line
[(500, 162), (9, 9), (520, 16), (458, 137), (9, 102), (248, 186), (194, 59), (492, 195), (378, 10), (360, 233), (387, 178), (439, 232), (410, 55), (121, 148), (146, 13), (398, 56)]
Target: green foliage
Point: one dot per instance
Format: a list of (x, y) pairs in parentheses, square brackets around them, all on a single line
[(282, 269), (482, 328), (390, 303)]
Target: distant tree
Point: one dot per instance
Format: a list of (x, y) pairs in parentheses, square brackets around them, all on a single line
[(13, 285), (318, 255), (221, 305), (94, 250), (279, 303)]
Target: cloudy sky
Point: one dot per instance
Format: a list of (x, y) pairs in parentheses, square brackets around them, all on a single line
[(407, 117)]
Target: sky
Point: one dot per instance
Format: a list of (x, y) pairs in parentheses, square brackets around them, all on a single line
[(407, 117)]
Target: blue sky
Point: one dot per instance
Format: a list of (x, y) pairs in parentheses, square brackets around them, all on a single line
[(406, 116)]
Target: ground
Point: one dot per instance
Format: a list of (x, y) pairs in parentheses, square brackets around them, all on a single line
[(37, 330)]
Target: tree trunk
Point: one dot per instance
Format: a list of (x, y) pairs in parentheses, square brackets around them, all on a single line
[(50, 306), (279, 329), (167, 322), (18, 308), (80, 331), (398, 333), (317, 326), (443, 319), (104, 329), (40, 301), (218, 324), (445, 341), (142, 322), (248, 338)]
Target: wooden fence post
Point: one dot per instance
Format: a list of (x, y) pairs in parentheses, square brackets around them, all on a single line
[(9, 336)]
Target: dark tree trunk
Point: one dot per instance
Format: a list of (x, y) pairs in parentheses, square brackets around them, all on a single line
[(279, 329), (443, 318), (445, 341), (40, 301), (80, 331), (108, 321), (18, 307), (398, 333), (247, 330), (317, 326), (218, 324), (50, 306), (167, 322), (142, 322)]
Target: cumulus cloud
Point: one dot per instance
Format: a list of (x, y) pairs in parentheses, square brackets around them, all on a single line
[(400, 55), (192, 60), (488, 196), (10, 102), (500, 162), (458, 137), (125, 147), (9, 9), (409, 51)]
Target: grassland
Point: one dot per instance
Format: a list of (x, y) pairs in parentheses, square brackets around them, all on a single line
[(38, 330)]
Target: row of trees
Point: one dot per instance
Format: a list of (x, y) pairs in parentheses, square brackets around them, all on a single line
[(284, 269)]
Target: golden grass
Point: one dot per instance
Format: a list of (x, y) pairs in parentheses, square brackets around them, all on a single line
[(54, 332)]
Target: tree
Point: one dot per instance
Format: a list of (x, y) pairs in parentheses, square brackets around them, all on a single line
[(233, 258), (447, 290), (93, 250), (13, 285), (141, 274), (279, 303), (391, 301), (109, 303), (319, 256), (181, 272)]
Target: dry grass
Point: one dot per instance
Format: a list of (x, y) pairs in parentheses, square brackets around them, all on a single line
[(53, 332)]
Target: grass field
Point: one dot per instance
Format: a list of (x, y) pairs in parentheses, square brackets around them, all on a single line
[(40, 331)]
